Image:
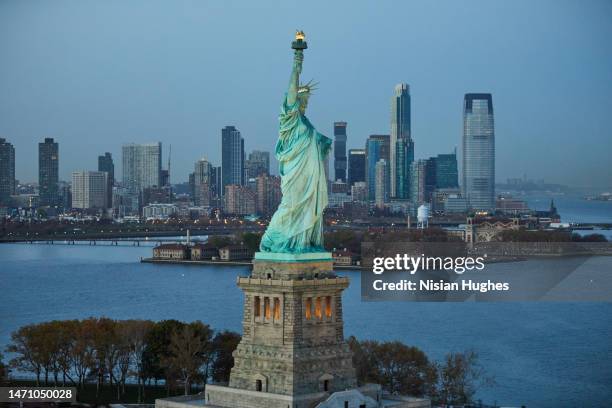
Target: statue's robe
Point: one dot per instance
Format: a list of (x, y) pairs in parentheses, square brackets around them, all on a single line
[(297, 224)]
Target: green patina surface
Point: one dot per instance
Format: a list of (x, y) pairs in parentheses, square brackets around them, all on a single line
[(297, 224), (293, 257)]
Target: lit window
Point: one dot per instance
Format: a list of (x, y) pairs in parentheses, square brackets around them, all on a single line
[(308, 308), (328, 306), (257, 306), (267, 313), (276, 309), (318, 312)]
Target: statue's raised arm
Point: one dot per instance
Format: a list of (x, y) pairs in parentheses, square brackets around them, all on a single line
[(294, 81)]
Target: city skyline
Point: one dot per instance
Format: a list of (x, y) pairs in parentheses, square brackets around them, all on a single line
[(143, 98)]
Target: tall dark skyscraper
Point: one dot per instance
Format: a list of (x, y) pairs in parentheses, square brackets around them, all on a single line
[(216, 182), (377, 147), (404, 154), (7, 171), (446, 171), (401, 142), (340, 151), (478, 171), (232, 157), (431, 177), (357, 165), (105, 164), (48, 172)]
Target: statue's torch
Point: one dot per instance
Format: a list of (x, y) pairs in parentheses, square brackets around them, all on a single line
[(300, 41)]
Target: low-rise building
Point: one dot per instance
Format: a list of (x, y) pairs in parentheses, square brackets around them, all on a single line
[(344, 257), (204, 251), (171, 251), (159, 211), (486, 229), (235, 253), (509, 205)]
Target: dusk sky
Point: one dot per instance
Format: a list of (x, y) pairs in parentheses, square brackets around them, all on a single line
[(95, 75)]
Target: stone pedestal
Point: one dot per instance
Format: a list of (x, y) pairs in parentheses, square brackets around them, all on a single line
[(293, 339)]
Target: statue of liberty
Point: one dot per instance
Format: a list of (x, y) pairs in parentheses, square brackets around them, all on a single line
[(297, 225)]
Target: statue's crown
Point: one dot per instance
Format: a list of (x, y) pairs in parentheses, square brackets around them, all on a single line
[(308, 87), (299, 35)]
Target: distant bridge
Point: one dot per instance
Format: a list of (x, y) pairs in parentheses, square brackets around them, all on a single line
[(132, 237)]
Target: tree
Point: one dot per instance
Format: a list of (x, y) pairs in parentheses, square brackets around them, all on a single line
[(83, 349), (25, 343), (397, 367), (3, 371), (137, 332), (251, 240), (460, 377), (223, 345), (157, 350), (189, 350), (220, 241), (589, 238)]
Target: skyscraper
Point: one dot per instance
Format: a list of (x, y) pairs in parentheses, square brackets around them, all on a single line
[(89, 189), (446, 171), (478, 168), (381, 183), (7, 171), (216, 182), (357, 166), (105, 164), (377, 147), (418, 171), (202, 182), (257, 164), (400, 130), (232, 157), (404, 153), (240, 200), (340, 151), (142, 166), (431, 177), (48, 172), (269, 195)]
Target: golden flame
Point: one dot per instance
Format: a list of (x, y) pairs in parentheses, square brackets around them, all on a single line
[(299, 35)]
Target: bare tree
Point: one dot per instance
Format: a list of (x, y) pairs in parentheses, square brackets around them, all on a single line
[(190, 349), (461, 375)]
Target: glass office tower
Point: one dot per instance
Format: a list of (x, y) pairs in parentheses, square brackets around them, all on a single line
[(340, 151), (7, 171), (401, 140), (357, 166), (232, 157), (48, 172), (141, 166), (478, 152), (377, 147)]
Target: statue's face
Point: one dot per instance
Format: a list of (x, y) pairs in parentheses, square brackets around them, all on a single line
[(303, 102)]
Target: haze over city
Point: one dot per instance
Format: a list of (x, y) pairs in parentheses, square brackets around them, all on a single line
[(97, 75)]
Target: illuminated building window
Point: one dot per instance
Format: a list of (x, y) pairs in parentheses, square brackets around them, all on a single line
[(267, 312), (328, 306), (318, 311), (257, 306), (276, 309), (308, 308)]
